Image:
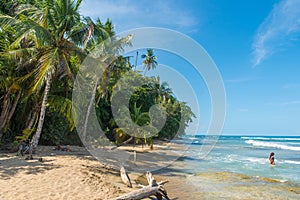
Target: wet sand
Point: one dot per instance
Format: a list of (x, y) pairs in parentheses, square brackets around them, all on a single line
[(225, 185)]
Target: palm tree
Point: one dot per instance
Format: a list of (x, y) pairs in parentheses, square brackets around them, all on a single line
[(161, 91), (10, 99), (140, 118), (48, 33), (10, 90), (149, 60), (130, 124), (105, 48)]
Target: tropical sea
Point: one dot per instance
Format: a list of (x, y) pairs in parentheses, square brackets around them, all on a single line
[(241, 162), (248, 155)]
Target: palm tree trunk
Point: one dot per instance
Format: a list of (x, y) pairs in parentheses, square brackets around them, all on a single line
[(31, 121), (35, 140), (13, 108), (7, 112), (89, 111), (4, 113), (88, 35)]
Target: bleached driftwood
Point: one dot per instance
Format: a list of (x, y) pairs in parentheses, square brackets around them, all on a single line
[(153, 189), (150, 179), (142, 193), (125, 178)]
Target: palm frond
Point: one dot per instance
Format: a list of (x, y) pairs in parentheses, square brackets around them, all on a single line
[(46, 64), (37, 14)]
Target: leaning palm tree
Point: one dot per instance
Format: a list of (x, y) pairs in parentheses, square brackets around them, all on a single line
[(149, 60), (10, 89), (48, 32), (106, 50), (9, 98)]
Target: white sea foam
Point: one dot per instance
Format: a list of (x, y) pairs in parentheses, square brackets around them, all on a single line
[(267, 138), (254, 138), (292, 162), (256, 160), (272, 144)]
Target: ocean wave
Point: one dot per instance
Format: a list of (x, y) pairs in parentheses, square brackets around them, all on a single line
[(267, 138), (256, 160), (292, 162), (188, 141), (272, 144)]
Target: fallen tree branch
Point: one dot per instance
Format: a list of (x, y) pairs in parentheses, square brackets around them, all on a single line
[(142, 193), (162, 182), (153, 189), (150, 179)]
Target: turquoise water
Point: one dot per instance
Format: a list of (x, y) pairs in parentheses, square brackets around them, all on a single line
[(247, 155)]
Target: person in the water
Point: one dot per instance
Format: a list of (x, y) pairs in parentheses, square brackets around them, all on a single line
[(271, 158)]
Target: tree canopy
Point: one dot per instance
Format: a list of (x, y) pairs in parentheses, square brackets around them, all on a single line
[(42, 45)]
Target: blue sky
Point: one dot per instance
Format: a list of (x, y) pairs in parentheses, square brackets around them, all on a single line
[(255, 45)]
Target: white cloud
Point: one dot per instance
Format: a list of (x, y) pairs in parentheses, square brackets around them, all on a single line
[(281, 26), (133, 14)]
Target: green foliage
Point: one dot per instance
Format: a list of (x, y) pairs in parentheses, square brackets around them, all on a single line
[(121, 136), (25, 135), (56, 130), (149, 60), (150, 92), (42, 37)]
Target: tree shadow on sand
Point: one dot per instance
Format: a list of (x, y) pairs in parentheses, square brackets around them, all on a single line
[(11, 165)]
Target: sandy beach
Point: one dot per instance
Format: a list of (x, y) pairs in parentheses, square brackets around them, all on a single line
[(76, 174), (63, 175)]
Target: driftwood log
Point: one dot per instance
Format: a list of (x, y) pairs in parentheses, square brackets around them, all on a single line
[(142, 193), (153, 189)]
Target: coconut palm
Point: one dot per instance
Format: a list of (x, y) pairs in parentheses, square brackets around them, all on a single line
[(149, 60), (10, 90), (161, 91), (105, 49), (47, 32), (10, 97)]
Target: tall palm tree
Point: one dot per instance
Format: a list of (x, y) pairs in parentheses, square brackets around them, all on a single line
[(149, 60), (106, 49), (10, 90), (48, 31), (10, 98)]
